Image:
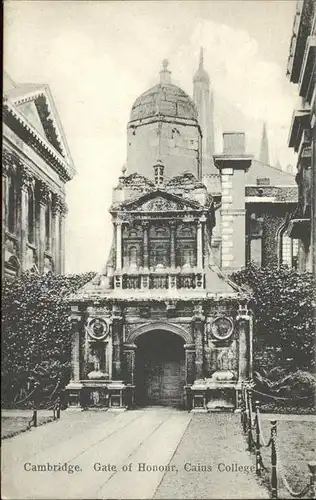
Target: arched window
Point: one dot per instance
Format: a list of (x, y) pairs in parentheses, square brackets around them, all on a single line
[(12, 205), (31, 216), (48, 225), (288, 249)]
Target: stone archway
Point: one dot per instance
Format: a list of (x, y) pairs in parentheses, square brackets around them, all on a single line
[(160, 363)]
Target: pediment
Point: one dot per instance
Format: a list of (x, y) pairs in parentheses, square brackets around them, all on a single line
[(160, 201), (35, 103)]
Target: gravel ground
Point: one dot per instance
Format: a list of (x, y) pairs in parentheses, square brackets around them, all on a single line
[(214, 441)]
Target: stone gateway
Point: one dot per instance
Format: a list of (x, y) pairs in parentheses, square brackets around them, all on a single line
[(163, 325)]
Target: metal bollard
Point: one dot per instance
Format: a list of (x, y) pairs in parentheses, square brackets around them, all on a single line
[(274, 477), (312, 489), (258, 454)]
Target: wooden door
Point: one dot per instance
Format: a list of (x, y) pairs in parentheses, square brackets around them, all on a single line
[(160, 370)]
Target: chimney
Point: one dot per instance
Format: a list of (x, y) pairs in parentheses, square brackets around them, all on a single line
[(232, 164)]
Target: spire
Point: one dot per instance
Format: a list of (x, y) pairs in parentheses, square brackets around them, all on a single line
[(165, 73), (201, 59), (264, 148), (204, 102), (201, 75)]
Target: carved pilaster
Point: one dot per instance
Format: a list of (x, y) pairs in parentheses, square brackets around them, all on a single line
[(75, 346), (117, 339), (129, 357), (173, 244), (189, 363), (244, 328), (145, 225), (200, 241), (118, 225), (198, 325)]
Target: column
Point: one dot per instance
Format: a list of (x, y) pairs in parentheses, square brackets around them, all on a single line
[(62, 225), (116, 343), (25, 182), (43, 200), (118, 224), (173, 244), (189, 350), (244, 322), (199, 245), (129, 355), (198, 325), (145, 225), (75, 347)]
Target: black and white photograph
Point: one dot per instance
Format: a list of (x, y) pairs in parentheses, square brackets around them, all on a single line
[(158, 250)]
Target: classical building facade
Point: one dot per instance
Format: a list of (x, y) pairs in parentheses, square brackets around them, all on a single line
[(36, 165), (301, 70)]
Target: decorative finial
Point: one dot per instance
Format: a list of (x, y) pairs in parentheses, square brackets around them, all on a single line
[(165, 73)]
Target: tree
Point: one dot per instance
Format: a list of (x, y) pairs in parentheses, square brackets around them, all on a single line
[(284, 311), (36, 340)]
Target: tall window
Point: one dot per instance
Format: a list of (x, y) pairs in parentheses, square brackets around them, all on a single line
[(48, 225), (31, 216), (12, 205), (187, 256), (288, 249)]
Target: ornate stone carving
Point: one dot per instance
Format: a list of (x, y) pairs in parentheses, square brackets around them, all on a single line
[(57, 204), (26, 177), (44, 192)]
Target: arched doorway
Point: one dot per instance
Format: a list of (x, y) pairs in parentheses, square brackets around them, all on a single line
[(160, 369)]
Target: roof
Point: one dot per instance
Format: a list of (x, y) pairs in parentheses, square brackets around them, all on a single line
[(30, 108), (164, 99), (277, 177)]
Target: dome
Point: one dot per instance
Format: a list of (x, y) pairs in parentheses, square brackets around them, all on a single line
[(164, 99)]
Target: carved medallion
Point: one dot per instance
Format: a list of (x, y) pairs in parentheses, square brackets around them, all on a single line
[(98, 329), (221, 328)]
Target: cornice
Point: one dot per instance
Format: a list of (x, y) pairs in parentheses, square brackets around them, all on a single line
[(64, 169)]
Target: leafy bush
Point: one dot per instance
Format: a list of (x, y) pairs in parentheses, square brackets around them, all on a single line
[(284, 312), (36, 339)]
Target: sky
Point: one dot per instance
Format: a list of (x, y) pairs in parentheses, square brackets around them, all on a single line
[(99, 56)]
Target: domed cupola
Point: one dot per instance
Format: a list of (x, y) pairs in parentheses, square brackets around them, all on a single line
[(164, 126), (164, 99)]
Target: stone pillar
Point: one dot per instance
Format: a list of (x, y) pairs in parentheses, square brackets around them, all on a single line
[(129, 355), (199, 245), (43, 200), (25, 182), (118, 224), (145, 225), (244, 322), (117, 343), (56, 209), (233, 164), (75, 346), (62, 236), (189, 350), (172, 244), (198, 325)]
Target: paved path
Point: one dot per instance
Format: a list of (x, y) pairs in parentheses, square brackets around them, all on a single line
[(164, 440)]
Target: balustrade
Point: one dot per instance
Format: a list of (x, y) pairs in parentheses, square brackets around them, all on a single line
[(153, 281)]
